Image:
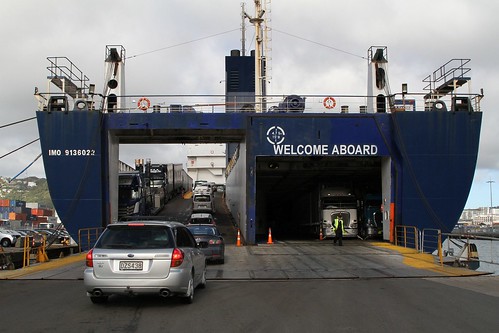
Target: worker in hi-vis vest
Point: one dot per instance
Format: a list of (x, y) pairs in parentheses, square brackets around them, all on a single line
[(339, 230)]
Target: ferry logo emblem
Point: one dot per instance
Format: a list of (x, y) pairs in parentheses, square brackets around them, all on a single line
[(275, 135)]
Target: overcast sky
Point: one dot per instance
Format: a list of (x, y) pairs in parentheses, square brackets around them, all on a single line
[(317, 48)]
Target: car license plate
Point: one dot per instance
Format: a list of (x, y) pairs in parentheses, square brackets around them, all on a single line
[(131, 265)]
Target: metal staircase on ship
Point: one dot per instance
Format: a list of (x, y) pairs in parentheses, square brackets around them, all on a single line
[(445, 81), (64, 74)]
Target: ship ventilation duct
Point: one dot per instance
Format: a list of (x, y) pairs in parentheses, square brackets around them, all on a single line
[(114, 91), (58, 103), (378, 88)]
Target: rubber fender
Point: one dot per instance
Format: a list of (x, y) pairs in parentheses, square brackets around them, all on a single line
[(439, 106)]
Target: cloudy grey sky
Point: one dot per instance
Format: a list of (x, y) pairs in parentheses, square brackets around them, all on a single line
[(317, 48)]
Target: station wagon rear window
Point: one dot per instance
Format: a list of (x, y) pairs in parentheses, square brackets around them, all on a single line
[(136, 237), (202, 198)]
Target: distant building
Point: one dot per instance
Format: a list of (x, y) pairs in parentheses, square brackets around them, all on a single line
[(483, 216)]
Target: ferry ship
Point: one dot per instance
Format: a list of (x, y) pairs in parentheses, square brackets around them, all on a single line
[(378, 160)]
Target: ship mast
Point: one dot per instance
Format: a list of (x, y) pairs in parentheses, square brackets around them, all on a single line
[(243, 30), (257, 21)]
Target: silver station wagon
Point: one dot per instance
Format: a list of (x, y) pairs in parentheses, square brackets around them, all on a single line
[(145, 257)]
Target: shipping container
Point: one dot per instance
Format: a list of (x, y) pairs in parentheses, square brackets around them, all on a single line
[(42, 212), (32, 205), (17, 203), (17, 216), (41, 219)]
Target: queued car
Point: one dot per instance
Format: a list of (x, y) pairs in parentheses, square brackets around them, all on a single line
[(145, 257), (208, 233), (8, 237), (201, 218), (203, 203)]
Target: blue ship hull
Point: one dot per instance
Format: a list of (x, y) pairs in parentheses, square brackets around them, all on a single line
[(433, 155)]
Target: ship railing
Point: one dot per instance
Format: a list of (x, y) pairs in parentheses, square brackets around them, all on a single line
[(463, 250), (87, 238), (334, 104), (33, 250), (292, 104), (65, 75), (430, 239), (273, 104), (470, 250), (452, 69), (407, 236)]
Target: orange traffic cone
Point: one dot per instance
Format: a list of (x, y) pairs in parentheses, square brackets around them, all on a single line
[(238, 243), (269, 241), (321, 236)]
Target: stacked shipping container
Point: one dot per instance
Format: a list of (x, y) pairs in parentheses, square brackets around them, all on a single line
[(22, 211)]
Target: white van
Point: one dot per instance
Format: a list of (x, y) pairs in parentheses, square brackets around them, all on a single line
[(203, 203)]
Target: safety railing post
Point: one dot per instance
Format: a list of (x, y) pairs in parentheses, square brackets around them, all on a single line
[(26, 251), (405, 237), (439, 246), (416, 238)]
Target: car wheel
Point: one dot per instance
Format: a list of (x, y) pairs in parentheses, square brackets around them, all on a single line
[(5, 242), (189, 295), (98, 300), (202, 283)]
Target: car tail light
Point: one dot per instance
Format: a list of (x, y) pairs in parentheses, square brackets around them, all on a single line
[(177, 257), (215, 241), (89, 259)]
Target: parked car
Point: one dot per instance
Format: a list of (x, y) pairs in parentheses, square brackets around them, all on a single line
[(8, 237), (201, 218), (55, 236), (145, 257), (35, 235), (208, 233)]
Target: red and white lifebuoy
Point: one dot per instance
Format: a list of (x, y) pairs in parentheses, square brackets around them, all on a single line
[(329, 102), (143, 103)]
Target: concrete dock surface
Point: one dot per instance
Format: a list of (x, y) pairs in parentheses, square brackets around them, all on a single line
[(298, 260)]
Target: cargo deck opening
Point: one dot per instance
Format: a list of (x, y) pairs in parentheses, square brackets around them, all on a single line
[(289, 192)]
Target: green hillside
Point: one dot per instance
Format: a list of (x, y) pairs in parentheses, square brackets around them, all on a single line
[(30, 189)]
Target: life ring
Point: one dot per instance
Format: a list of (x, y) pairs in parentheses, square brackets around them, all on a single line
[(329, 102), (143, 103)]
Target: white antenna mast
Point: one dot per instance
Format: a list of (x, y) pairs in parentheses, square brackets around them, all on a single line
[(243, 30), (267, 45), (259, 75)]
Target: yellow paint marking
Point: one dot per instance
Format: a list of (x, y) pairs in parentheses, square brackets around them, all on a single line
[(54, 263), (426, 261)]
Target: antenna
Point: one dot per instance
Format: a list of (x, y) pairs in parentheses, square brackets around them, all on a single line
[(257, 21), (243, 30), (267, 45)]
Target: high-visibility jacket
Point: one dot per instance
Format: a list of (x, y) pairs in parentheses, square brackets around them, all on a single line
[(338, 222)]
